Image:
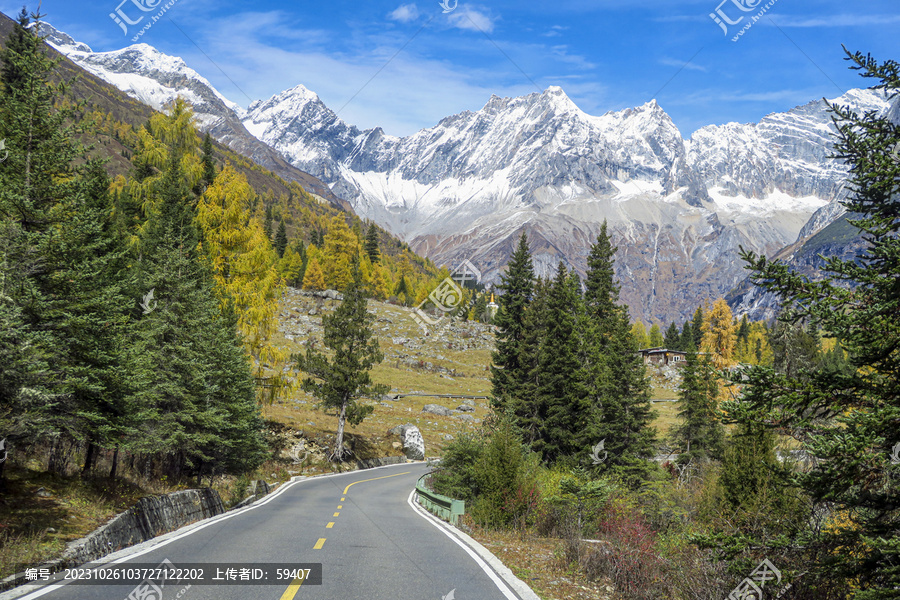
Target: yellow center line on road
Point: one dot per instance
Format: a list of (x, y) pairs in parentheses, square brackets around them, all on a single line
[(340, 506), (336, 514), (330, 525), (373, 479), (319, 544), (342, 499)]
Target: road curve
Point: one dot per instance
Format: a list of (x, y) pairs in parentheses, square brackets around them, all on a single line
[(361, 526)]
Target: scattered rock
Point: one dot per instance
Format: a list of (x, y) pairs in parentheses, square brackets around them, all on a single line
[(51, 530), (412, 442), (447, 437), (437, 409), (465, 408), (466, 418), (42, 493), (469, 402)]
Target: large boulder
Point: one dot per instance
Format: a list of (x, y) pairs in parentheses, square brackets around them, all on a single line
[(411, 439), (465, 408), (437, 409)]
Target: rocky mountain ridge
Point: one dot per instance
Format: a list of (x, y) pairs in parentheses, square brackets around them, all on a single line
[(678, 209)]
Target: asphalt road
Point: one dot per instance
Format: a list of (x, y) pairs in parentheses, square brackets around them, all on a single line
[(360, 526)]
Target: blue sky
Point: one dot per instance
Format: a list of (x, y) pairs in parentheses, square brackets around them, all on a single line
[(406, 64)]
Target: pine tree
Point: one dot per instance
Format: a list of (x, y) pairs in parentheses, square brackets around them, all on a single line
[(528, 405), (672, 340), (701, 434), (62, 377), (25, 374), (194, 390), (38, 171), (795, 351), (479, 309), (686, 340), (90, 309), (281, 240), (371, 246), (618, 388), (561, 393), (847, 421), (507, 372), (697, 328), (340, 381)]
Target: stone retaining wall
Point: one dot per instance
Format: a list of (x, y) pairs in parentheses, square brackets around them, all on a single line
[(150, 517)]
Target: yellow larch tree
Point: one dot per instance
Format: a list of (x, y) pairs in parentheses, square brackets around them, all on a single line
[(314, 279), (719, 334), (341, 247), (245, 269)]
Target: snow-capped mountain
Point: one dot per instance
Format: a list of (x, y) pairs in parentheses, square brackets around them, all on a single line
[(678, 209), (148, 75), (157, 79)]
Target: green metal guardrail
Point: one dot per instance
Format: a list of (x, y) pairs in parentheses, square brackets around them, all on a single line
[(444, 507)]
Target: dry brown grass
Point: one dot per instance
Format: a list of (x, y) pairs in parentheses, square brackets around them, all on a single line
[(541, 564)]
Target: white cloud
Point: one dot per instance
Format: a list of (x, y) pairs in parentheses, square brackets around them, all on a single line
[(405, 13), (471, 19), (673, 62), (554, 31)]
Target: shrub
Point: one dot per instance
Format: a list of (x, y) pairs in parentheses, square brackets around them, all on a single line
[(494, 473)]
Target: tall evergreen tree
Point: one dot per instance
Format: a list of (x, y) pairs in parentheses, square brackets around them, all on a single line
[(528, 405), (795, 351), (61, 285), (697, 327), (560, 391), (340, 381), (38, 171), (672, 339), (90, 309), (701, 435), (194, 396), (848, 421), (507, 372), (371, 245), (686, 340), (617, 386), (281, 240)]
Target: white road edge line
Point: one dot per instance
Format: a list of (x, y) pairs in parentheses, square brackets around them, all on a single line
[(163, 540), (499, 573)]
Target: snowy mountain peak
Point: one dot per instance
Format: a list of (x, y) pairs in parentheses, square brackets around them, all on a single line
[(60, 40), (151, 76)]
